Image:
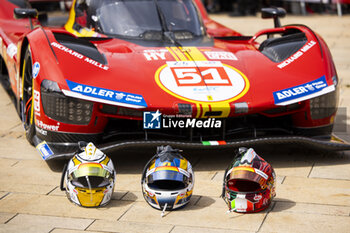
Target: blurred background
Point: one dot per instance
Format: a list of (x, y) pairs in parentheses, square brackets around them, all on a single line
[(298, 7)]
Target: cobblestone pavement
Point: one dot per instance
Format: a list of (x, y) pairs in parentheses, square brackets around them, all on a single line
[(313, 188)]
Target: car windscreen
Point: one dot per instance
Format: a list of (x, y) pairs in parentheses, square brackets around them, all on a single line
[(140, 18)]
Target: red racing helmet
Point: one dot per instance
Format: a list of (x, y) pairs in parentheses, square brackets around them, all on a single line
[(249, 183)]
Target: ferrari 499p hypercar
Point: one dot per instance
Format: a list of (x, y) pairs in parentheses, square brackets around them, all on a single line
[(152, 72)]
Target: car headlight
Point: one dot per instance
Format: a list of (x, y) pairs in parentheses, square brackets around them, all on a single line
[(62, 108), (323, 106)]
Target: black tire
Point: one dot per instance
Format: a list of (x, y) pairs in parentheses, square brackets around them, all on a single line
[(27, 102)]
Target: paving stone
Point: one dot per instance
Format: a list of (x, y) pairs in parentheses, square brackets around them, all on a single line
[(326, 167), (14, 202), (4, 98), (133, 196), (7, 228), (312, 190), (14, 148), (181, 229), (57, 192), (131, 182), (17, 131), (213, 202), (298, 222), (129, 227), (8, 163), (61, 230), (11, 186), (206, 187), (4, 217), (308, 208), (292, 168), (3, 194), (8, 120), (31, 172), (118, 195), (60, 206), (196, 216), (53, 222)]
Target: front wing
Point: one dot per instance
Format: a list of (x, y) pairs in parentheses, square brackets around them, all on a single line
[(54, 151)]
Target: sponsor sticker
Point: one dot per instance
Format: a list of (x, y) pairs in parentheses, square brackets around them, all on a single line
[(41, 131), (80, 56), (202, 81), (297, 55), (302, 92), (36, 69), (104, 95), (44, 150), (44, 126), (154, 55), (37, 102), (220, 55), (257, 197)]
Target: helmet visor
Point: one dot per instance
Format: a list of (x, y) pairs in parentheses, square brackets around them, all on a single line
[(239, 185), (92, 175), (245, 179), (167, 180)]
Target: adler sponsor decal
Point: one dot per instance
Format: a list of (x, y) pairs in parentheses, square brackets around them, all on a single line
[(296, 55), (79, 56), (104, 95), (302, 92)]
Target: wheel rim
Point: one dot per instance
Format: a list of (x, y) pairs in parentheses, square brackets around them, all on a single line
[(27, 105)]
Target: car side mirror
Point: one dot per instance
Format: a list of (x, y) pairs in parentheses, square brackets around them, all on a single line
[(275, 13), (22, 13)]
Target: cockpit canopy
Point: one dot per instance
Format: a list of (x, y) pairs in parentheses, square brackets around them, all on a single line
[(138, 19)]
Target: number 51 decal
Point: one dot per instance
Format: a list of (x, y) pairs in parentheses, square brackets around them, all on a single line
[(201, 76)]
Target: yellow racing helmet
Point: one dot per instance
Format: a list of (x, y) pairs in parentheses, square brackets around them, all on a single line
[(89, 177)]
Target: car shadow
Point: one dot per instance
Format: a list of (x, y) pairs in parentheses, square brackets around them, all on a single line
[(133, 160)]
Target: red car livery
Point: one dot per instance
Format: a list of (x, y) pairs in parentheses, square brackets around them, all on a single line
[(147, 73)]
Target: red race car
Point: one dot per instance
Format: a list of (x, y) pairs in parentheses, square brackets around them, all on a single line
[(154, 72)]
